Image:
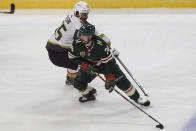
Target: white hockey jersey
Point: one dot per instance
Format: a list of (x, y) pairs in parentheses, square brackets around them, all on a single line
[(64, 34)]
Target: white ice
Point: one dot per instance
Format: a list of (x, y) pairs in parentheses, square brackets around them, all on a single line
[(158, 46)]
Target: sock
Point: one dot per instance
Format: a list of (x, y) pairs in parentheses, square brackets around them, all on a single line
[(132, 93)]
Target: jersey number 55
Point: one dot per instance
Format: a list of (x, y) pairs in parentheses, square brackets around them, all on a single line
[(58, 32)]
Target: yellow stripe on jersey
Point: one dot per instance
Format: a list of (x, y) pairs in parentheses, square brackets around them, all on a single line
[(109, 43), (102, 36), (72, 75)]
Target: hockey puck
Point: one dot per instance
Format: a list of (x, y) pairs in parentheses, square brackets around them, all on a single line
[(160, 126)]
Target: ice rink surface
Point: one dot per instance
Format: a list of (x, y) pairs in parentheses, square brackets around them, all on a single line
[(158, 46)]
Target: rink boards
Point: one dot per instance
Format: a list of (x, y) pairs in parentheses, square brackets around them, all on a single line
[(61, 4)]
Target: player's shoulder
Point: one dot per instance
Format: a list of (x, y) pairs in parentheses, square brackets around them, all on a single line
[(71, 18), (100, 42), (77, 46)]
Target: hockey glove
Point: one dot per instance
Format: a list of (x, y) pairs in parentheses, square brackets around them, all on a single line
[(88, 69), (110, 82), (115, 52)]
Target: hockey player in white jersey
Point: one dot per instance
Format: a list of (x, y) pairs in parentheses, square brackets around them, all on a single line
[(60, 42)]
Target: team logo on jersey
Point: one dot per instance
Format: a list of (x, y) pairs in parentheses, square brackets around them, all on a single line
[(82, 54)]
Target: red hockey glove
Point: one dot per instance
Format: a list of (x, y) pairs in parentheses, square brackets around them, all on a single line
[(110, 82), (88, 69)]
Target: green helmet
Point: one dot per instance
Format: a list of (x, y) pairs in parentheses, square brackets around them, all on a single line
[(87, 29)]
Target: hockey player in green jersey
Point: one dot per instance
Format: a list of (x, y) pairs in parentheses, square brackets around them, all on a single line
[(94, 56)]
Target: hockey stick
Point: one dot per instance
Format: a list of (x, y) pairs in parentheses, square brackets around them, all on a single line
[(120, 61), (12, 9), (159, 124), (131, 75)]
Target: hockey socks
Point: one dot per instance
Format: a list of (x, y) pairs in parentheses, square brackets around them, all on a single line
[(134, 95)]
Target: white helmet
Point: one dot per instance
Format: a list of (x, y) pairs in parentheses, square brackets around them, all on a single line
[(81, 7)]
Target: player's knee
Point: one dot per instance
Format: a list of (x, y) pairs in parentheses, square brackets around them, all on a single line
[(123, 83), (79, 85), (56, 63)]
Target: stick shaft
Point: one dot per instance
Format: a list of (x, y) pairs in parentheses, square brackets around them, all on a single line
[(131, 101), (120, 61)]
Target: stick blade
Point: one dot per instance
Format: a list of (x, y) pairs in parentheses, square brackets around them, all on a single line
[(160, 126)]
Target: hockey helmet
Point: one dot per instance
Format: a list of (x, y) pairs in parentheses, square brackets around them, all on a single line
[(81, 7), (87, 29)]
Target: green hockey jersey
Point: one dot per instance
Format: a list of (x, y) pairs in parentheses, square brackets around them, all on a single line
[(98, 55), (98, 52)]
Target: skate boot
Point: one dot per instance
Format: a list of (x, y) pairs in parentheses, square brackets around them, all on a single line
[(136, 97), (69, 81), (143, 101), (92, 90), (87, 97)]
